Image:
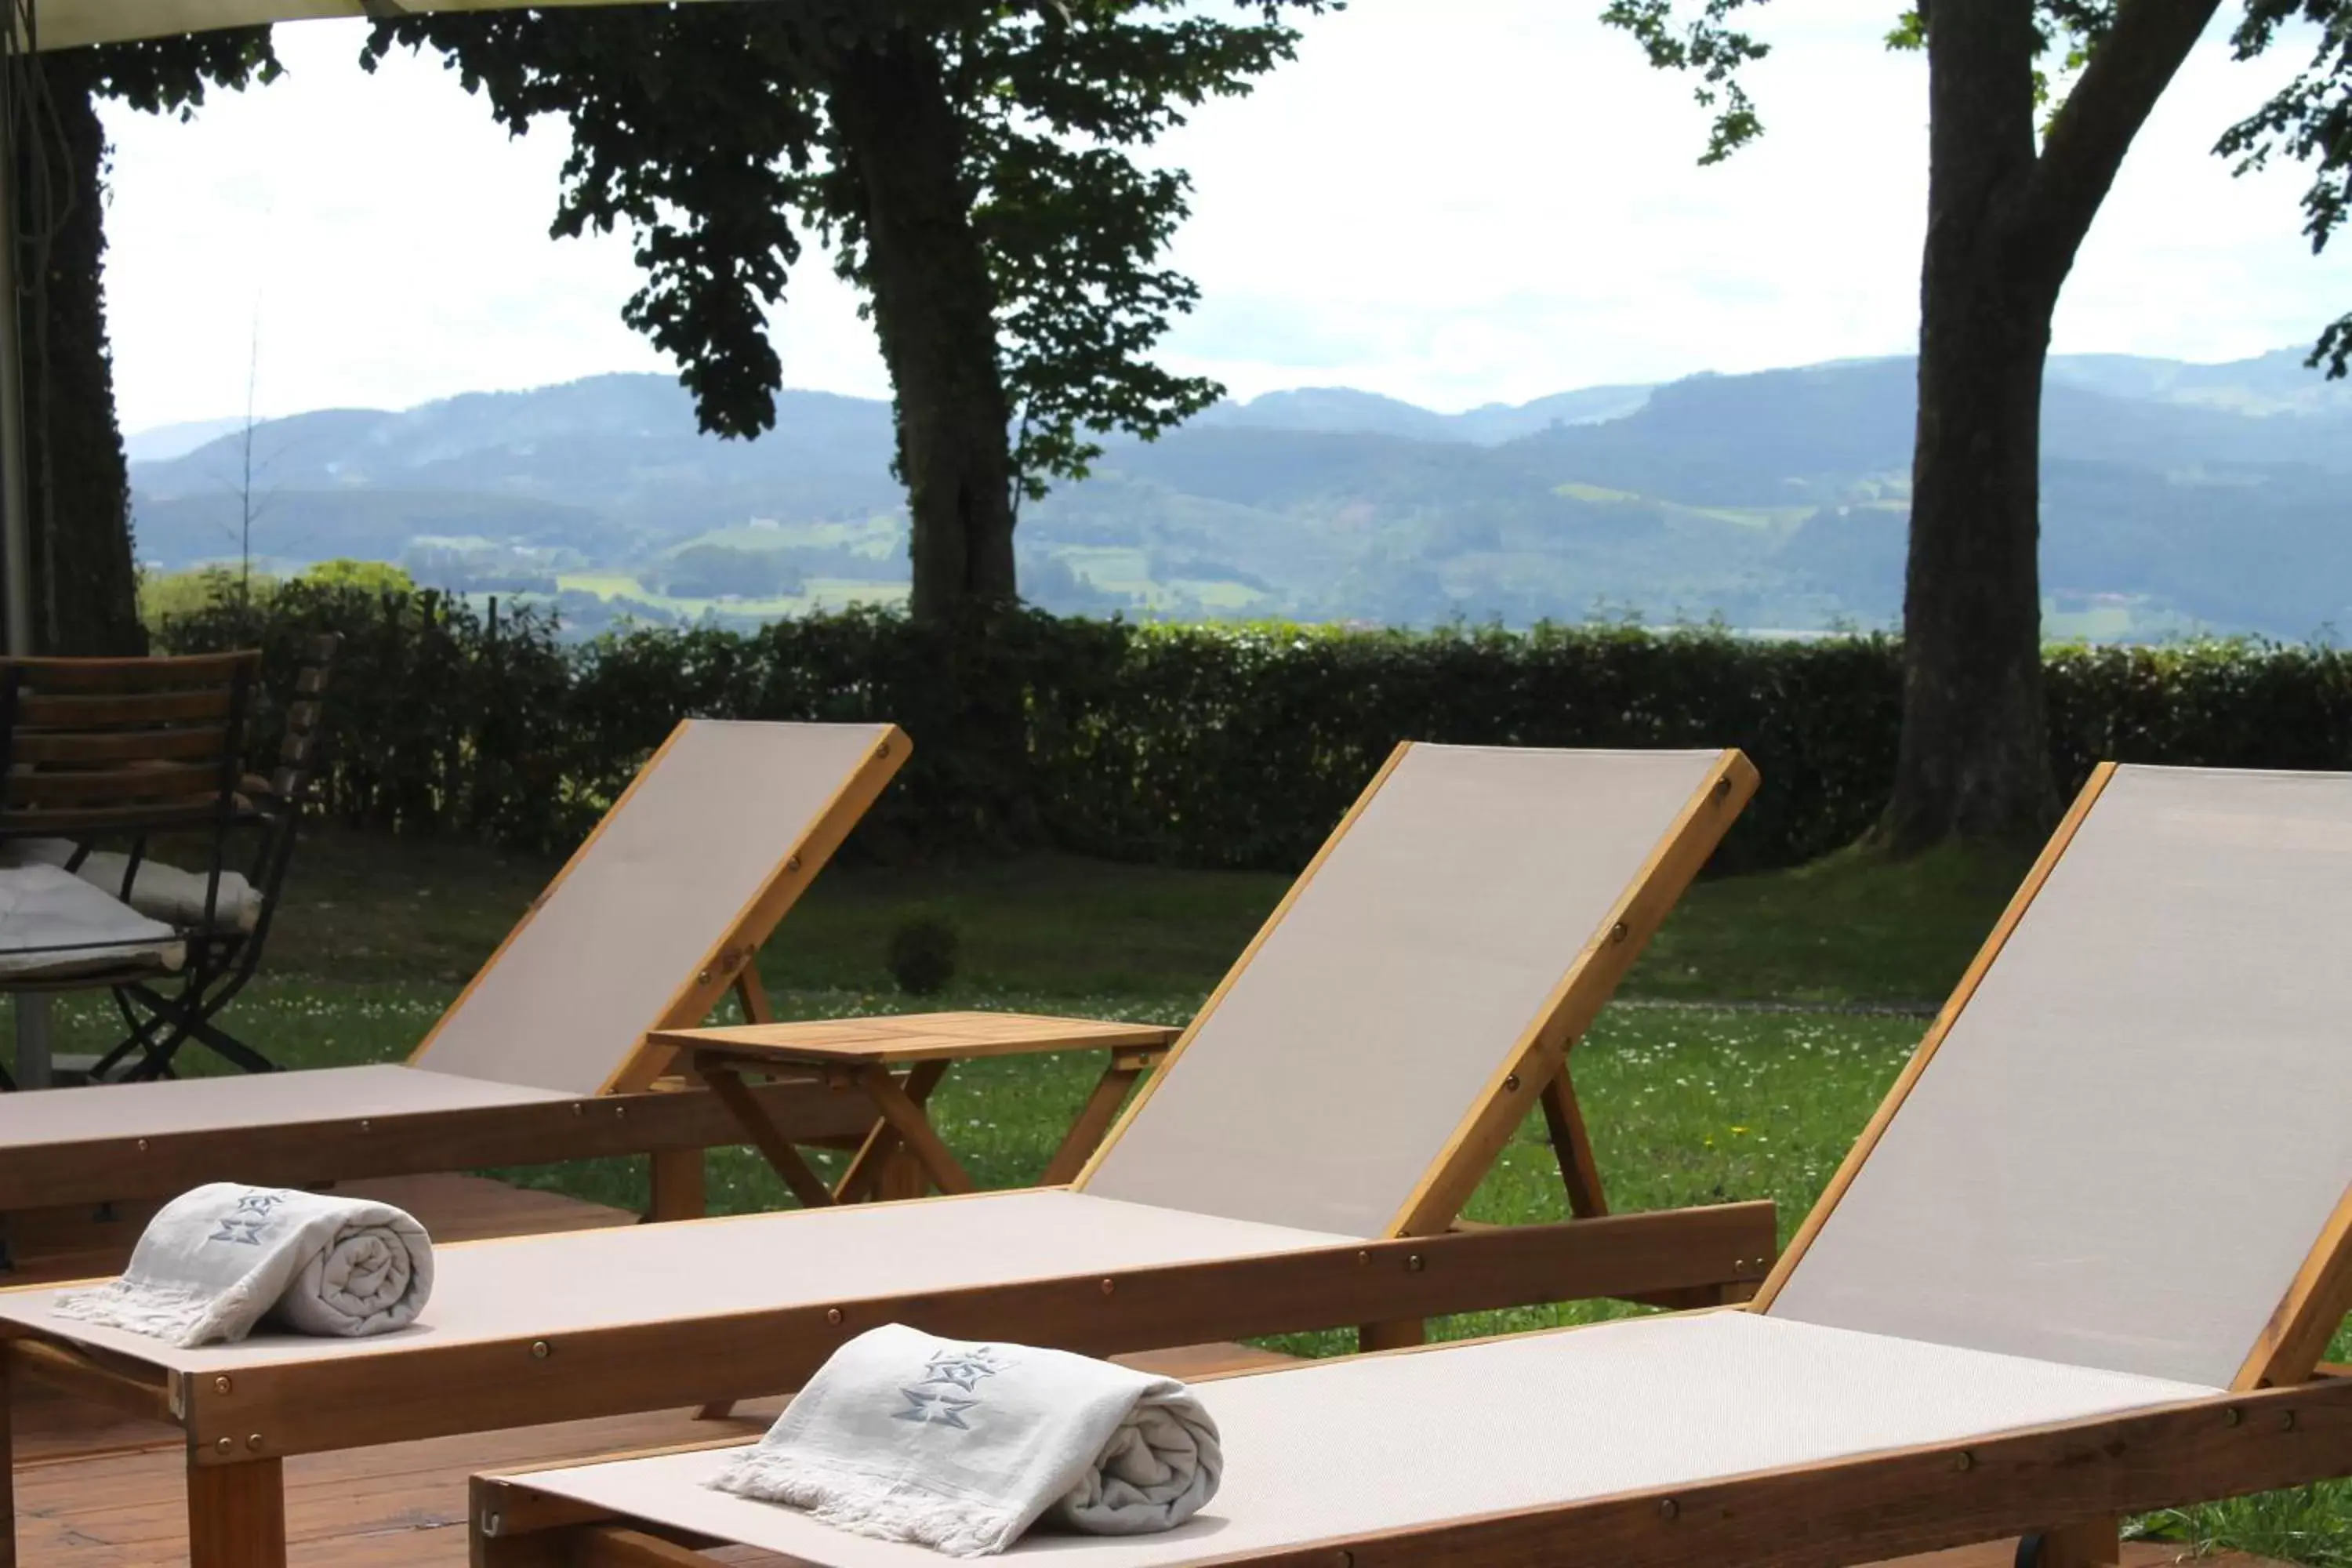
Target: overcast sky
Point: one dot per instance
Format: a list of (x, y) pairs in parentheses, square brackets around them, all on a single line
[(1449, 201)]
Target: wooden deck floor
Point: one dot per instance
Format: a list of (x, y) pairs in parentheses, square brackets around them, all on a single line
[(96, 1491)]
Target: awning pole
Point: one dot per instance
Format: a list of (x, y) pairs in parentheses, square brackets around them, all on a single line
[(15, 509)]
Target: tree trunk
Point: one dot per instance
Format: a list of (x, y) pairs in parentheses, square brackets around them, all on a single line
[(934, 313), (1974, 760), (86, 589), (2004, 222)]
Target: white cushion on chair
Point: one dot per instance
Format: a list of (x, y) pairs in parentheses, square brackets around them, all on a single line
[(165, 892), (54, 925)]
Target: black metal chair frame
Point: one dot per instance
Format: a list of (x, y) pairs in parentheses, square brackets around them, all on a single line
[(163, 1011)]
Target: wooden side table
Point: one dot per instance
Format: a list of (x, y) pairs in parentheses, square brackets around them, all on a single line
[(896, 1063)]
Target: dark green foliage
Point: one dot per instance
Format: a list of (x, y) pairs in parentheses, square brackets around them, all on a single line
[(77, 487), (2309, 120), (1196, 745), (921, 954), (722, 570), (709, 129)]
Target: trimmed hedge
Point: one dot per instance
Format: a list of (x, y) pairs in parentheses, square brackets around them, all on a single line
[(1192, 745)]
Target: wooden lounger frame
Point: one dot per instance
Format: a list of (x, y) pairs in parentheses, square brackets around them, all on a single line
[(2316, 1301), (241, 1425), (630, 1115), (1539, 1061), (2073, 1474), (2286, 1421)]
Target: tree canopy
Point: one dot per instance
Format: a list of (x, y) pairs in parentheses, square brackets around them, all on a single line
[(713, 131), (2076, 42)]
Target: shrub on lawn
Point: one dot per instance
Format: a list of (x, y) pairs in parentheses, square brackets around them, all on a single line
[(1203, 746), (921, 955)]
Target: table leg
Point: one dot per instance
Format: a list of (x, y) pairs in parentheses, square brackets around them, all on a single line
[(680, 1188), (1392, 1336), (33, 1059), (728, 1085), (914, 1129), (1094, 1119), (236, 1515), (8, 1451), (879, 1169)]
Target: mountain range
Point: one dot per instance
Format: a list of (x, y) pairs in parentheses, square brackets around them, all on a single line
[(2175, 496)]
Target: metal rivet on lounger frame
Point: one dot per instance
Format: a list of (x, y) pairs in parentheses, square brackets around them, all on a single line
[(1964, 1460), (1109, 1286), (2286, 1420), (540, 1350), (2232, 1416), (1511, 1082), (1414, 1262), (832, 1314), (143, 1145), (225, 1445), (792, 862), (1668, 1508), (1619, 933), (253, 1441), (1723, 786), (222, 1385)]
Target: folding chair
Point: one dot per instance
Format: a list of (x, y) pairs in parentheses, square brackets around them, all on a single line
[(97, 751), (225, 916), (2084, 1261), (544, 1056), (1295, 1163)]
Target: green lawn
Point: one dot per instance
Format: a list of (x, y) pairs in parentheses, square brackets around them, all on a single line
[(1688, 1103)]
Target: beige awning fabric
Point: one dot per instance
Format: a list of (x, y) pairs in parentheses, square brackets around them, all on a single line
[(69, 24)]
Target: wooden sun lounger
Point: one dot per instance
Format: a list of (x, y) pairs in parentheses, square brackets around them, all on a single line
[(2084, 1262), (544, 1056), (1295, 1165)]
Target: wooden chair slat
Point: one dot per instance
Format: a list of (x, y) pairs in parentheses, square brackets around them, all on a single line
[(133, 677), (123, 785), (71, 821), (194, 744), (41, 712)]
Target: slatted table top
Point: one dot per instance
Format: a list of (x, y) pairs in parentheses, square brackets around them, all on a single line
[(916, 1037)]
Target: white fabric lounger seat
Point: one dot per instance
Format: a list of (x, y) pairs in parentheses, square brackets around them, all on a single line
[(1352, 1446), (2109, 1203), (171, 1105), (564, 1283), (646, 927)]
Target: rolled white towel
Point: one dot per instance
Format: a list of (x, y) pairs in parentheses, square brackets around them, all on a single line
[(214, 1262), (962, 1447)]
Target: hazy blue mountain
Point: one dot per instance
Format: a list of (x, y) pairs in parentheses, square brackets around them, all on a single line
[(2174, 495), (2277, 381), (162, 442)]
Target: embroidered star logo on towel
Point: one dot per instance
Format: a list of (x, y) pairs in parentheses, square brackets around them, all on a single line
[(964, 1368), (937, 1409), (247, 1232), (934, 1399)]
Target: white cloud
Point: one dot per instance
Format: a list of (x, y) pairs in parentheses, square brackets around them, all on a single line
[(1455, 203)]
